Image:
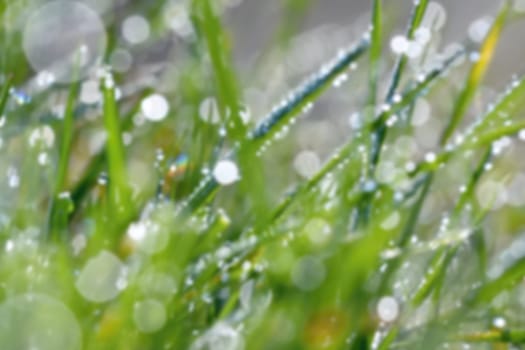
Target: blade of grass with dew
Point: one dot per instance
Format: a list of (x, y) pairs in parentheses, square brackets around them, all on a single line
[(477, 72), (229, 100), (380, 131), (118, 186), (376, 44), (282, 114), (60, 207), (443, 256), (508, 105), (508, 279), (98, 161), (348, 149), (209, 26)]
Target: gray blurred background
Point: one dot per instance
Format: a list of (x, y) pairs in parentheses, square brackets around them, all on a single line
[(253, 24)]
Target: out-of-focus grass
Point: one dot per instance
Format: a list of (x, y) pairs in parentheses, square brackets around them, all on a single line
[(121, 231)]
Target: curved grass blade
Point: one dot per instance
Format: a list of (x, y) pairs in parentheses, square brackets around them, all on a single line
[(439, 263), (307, 92), (477, 73), (511, 103)]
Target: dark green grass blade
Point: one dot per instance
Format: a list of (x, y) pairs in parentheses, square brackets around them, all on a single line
[(375, 51), (59, 207)]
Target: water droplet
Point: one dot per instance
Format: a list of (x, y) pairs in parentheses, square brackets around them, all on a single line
[(97, 282), (430, 157), (135, 29), (399, 44), (388, 309), (43, 136), (13, 179), (479, 29), (9, 245), (499, 322), (422, 35), (64, 38), (45, 79), (221, 336), (209, 111), (226, 172), (43, 158), (155, 107), (90, 92), (149, 315), (150, 236), (20, 97), (177, 17)]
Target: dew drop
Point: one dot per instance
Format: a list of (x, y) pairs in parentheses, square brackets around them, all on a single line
[(64, 38), (221, 336), (43, 136), (388, 309), (90, 92), (479, 29), (226, 172), (499, 322), (399, 44), (209, 111), (155, 107)]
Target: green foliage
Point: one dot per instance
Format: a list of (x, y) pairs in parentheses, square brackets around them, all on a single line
[(170, 230)]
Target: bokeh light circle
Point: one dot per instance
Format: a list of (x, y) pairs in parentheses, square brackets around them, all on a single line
[(37, 321), (64, 38)]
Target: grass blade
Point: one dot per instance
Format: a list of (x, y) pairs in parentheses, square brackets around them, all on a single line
[(477, 73), (114, 147)]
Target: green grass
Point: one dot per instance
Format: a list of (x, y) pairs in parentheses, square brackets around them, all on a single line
[(116, 233)]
